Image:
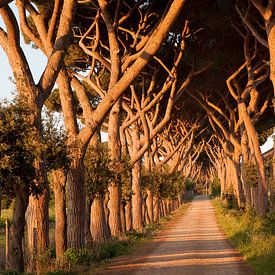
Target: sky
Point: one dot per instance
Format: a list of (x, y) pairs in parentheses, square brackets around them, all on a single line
[(37, 63)]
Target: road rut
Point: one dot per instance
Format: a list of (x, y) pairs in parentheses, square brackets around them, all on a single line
[(192, 244)]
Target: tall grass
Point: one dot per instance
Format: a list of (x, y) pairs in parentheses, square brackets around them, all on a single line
[(253, 236)]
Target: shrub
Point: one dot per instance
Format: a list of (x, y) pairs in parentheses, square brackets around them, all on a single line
[(78, 256)]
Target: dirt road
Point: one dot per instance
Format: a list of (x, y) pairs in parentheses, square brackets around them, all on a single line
[(193, 244)]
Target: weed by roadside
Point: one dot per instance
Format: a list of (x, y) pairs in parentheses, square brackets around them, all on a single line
[(252, 235)]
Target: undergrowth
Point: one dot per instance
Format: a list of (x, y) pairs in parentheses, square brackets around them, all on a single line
[(79, 261), (252, 235)]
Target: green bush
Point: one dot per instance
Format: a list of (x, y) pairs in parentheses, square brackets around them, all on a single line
[(189, 185), (251, 175), (216, 187), (111, 248), (78, 256)]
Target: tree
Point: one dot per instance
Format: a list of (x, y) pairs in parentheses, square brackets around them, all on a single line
[(18, 153), (50, 32), (125, 68)]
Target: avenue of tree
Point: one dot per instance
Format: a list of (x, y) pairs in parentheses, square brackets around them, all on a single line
[(184, 90)]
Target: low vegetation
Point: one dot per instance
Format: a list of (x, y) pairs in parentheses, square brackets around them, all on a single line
[(97, 255), (253, 236)]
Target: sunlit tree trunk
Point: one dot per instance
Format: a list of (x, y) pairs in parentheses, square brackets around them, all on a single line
[(99, 229), (58, 182), (114, 187), (262, 183), (245, 161), (149, 202), (76, 203), (136, 183), (88, 236)]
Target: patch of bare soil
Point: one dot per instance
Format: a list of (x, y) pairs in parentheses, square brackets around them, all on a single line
[(192, 244)]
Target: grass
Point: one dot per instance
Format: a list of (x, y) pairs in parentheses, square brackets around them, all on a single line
[(253, 236)]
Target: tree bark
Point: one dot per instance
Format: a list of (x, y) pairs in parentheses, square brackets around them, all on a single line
[(233, 173), (76, 203), (88, 235), (136, 183), (262, 183), (58, 183), (122, 216), (114, 187), (245, 161), (99, 229), (156, 209), (150, 207), (15, 254), (128, 216)]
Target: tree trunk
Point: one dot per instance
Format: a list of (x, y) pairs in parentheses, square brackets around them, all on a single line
[(88, 236), (245, 161), (271, 47), (106, 212), (156, 209), (262, 183), (137, 197), (115, 155), (122, 216), (128, 216), (38, 222), (15, 254), (136, 183), (0, 200), (58, 182), (233, 172), (150, 208), (76, 204), (114, 209), (98, 222), (272, 181)]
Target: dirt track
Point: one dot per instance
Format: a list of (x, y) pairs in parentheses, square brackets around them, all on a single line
[(192, 244)]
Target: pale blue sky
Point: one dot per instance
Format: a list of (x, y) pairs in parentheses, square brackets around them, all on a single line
[(35, 59), (37, 62)]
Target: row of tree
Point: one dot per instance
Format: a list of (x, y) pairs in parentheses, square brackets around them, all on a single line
[(127, 69)]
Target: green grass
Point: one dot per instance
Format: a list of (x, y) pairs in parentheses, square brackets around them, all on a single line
[(253, 236)]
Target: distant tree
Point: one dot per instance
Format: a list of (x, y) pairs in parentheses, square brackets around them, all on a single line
[(18, 153)]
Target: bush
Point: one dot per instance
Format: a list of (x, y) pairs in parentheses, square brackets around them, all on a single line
[(216, 187), (189, 185), (111, 248), (78, 256)]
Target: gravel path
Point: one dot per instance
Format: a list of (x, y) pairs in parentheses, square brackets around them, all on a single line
[(192, 244)]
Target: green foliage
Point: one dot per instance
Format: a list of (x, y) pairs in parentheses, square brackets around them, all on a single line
[(19, 148), (55, 141), (252, 235), (251, 174), (163, 183), (230, 201), (6, 202), (97, 170), (189, 185), (78, 256), (216, 186), (111, 248), (123, 174)]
